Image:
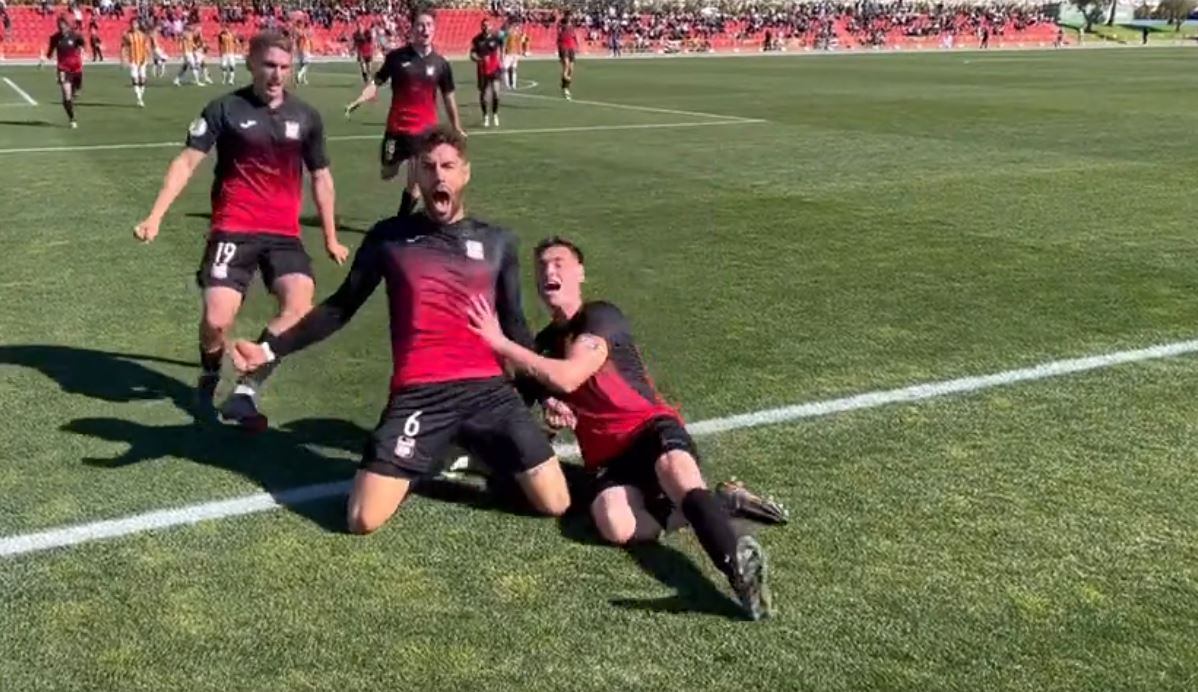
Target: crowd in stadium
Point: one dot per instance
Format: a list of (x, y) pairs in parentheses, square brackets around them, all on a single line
[(605, 26)]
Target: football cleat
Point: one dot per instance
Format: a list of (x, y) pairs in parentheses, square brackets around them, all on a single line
[(205, 397), (741, 502), (243, 410), (748, 579)]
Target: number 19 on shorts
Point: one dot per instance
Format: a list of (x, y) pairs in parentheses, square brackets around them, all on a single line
[(221, 259), (406, 444)]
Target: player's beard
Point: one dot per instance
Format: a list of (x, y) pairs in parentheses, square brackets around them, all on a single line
[(442, 205)]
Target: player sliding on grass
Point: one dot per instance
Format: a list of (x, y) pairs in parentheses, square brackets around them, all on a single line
[(264, 139), (635, 443), (447, 386)]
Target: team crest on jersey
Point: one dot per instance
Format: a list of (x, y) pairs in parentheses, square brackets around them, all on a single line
[(430, 70), (474, 250), (198, 127), (291, 129)]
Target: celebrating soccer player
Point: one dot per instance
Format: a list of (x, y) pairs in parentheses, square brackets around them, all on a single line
[(447, 387), (264, 138), (567, 49), (486, 50), (67, 48), (635, 443), (136, 53), (416, 74)]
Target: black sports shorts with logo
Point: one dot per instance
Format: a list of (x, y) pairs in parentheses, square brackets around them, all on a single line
[(399, 147), (230, 259), (637, 464), (487, 418)]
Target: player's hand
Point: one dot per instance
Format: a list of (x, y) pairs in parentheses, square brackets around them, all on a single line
[(351, 108), (558, 415), (247, 356), (484, 323), (337, 252), (462, 133), (147, 230)]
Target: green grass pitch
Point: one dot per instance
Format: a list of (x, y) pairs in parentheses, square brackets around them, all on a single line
[(780, 231)]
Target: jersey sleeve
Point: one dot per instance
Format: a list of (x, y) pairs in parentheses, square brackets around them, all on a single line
[(509, 307), (387, 71), (205, 130), (605, 321), (315, 155), (445, 81), (336, 310), (51, 47)]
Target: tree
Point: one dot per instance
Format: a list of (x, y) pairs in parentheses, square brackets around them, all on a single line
[(1176, 11), (1092, 10)]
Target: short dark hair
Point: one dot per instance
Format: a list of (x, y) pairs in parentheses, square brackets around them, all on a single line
[(265, 40), (557, 241), (442, 135)]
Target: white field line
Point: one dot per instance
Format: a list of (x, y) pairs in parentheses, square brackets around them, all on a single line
[(20, 92), (350, 138), (21, 544), (630, 107)]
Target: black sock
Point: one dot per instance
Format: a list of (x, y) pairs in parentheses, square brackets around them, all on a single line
[(210, 361), (482, 101), (565, 83), (407, 204), (495, 103), (713, 527), (69, 106)]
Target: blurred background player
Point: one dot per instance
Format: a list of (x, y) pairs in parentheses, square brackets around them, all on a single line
[(416, 73), (67, 47), (202, 54), (189, 46), (135, 53), (93, 38), (264, 139), (486, 50), (303, 46), (364, 50), (567, 49), (227, 44), (633, 441), (513, 37), (160, 56)]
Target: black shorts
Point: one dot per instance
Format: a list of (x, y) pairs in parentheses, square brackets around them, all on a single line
[(486, 78), (75, 79), (399, 147), (486, 418), (230, 260), (565, 54), (637, 464)]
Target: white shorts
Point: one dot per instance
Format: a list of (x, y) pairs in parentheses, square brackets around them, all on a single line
[(228, 60), (193, 58), (510, 61), (305, 59), (160, 56), (137, 72)]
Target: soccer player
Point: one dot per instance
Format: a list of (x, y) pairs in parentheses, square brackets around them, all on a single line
[(567, 48), (135, 52), (201, 46), (160, 57), (264, 138), (303, 44), (635, 443), (486, 50), (447, 387), (364, 50), (93, 34), (416, 73), (67, 48), (227, 44), (512, 38), (189, 43)]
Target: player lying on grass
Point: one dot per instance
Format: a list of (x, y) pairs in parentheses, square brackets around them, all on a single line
[(633, 441), (447, 385)]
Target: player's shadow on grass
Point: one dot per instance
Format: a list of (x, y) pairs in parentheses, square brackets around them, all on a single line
[(30, 123), (694, 591), (307, 221), (104, 375)]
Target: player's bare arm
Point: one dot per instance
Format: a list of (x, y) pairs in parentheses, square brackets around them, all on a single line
[(451, 108), (584, 358), (323, 192), (369, 92), (177, 175)]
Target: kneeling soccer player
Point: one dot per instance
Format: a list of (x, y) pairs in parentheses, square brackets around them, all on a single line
[(447, 386), (635, 443)]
